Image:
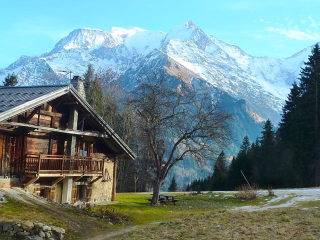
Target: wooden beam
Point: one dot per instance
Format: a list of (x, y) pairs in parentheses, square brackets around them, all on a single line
[(38, 121), (50, 143), (70, 103), (51, 114), (57, 181), (48, 129), (31, 181), (32, 114), (93, 181), (113, 198), (77, 178), (27, 175)]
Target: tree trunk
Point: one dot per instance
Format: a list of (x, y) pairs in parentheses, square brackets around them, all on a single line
[(156, 191)]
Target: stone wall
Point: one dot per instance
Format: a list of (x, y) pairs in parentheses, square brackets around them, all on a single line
[(31, 188), (30, 230), (102, 189), (9, 182)]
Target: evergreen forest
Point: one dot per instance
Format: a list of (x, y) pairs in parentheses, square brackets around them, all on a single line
[(282, 158)]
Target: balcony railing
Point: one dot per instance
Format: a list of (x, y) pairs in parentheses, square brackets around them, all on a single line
[(61, 164)]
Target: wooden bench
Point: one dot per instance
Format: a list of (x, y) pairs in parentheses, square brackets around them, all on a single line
[(165, 199)]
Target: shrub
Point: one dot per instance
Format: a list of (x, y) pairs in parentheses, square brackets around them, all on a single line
[(270, 192), (245, 192), (112, 214)]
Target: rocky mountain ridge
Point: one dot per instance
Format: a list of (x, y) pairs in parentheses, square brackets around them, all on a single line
[(262, 82)]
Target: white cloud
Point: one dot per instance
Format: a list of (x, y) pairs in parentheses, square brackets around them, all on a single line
[(295, 33), (313, 24), (261, 20), (303, 21)]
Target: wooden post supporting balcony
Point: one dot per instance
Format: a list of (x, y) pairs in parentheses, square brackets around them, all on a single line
[(113, 198), (77, 179), (31, 181), (93, 181), (57, 181)]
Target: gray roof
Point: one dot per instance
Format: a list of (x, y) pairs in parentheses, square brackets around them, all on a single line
[(11, 97)]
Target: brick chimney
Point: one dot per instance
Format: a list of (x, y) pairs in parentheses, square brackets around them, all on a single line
[(77, 83)]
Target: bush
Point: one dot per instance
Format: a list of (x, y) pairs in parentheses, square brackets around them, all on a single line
[(270, 192), (113, 215), (245, 192)]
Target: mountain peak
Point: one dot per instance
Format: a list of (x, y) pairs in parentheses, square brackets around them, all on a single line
[(190, 24)]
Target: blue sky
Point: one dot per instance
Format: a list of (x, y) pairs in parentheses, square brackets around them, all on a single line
[(260, 27)]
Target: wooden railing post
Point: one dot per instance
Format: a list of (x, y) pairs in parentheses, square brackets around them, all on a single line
[(84, 166), (39, 165), (62, 165), (102, 170)]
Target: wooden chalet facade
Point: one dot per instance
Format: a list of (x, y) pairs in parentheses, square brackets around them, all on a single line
[(57, 145)]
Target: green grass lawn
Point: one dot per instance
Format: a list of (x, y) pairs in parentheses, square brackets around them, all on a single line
[(205, 217), (139, 211), (135, 207)]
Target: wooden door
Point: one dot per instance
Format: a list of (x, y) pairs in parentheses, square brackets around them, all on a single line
[(74, 194)]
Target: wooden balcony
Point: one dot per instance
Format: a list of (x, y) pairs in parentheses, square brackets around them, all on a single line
[(59, 165)]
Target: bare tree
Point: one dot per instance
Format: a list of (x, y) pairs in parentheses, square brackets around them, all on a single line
[(175, 122)]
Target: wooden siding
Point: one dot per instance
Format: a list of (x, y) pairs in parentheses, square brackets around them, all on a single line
[(10, 153)]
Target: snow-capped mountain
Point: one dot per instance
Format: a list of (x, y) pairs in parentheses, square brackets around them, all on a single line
[(262, 82)]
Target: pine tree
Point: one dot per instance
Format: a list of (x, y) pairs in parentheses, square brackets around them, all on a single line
[(241, 163), (88, 77), (245, 146), (10, 80), (173, 185), (289, 124), (268, 164), (219, 175)]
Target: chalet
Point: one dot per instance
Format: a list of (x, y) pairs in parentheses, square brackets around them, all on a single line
[(57, 145)]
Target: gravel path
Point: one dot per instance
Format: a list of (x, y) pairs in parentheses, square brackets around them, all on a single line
[(17, 193)]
